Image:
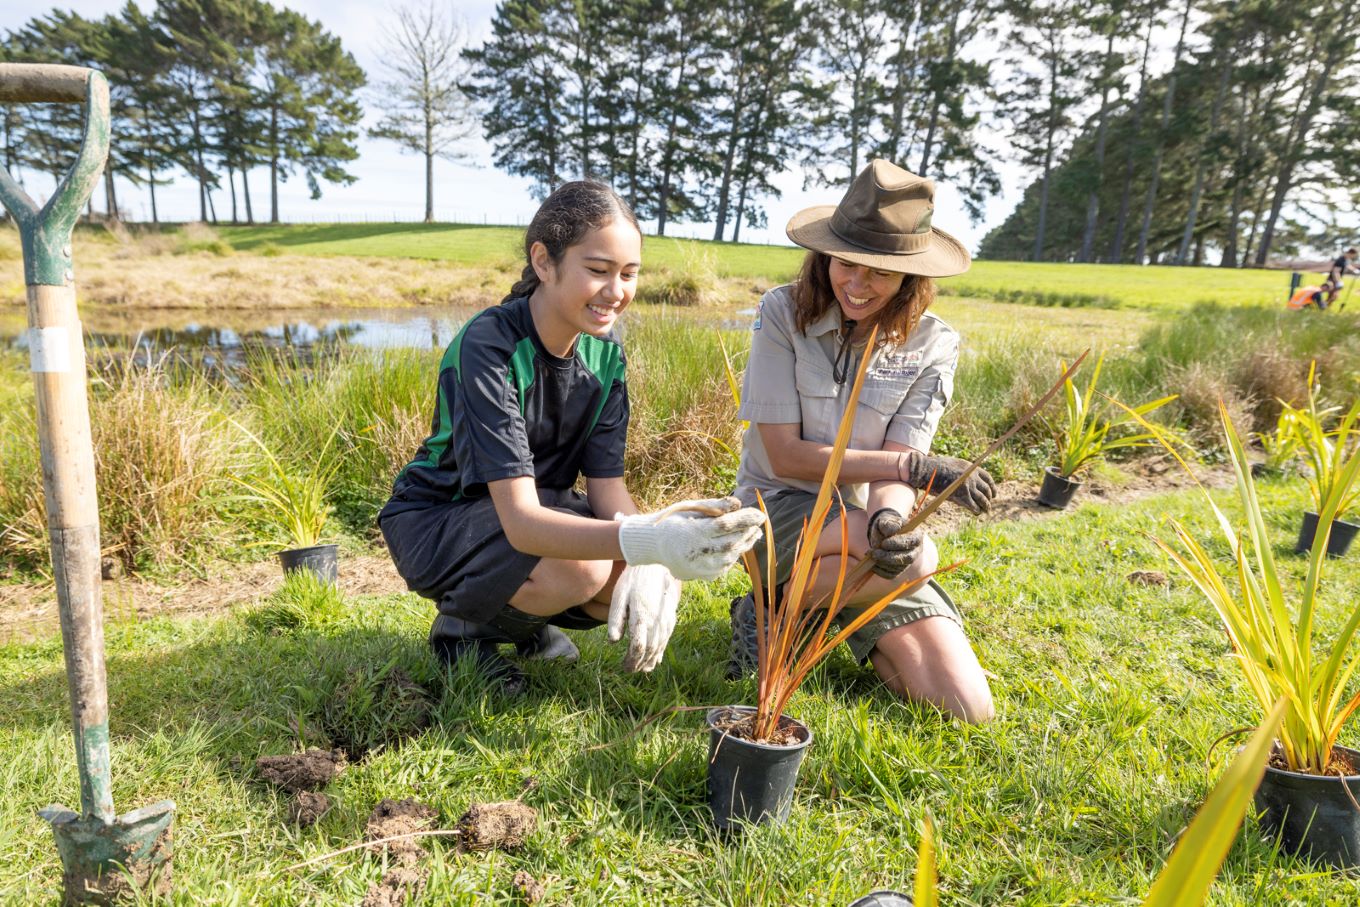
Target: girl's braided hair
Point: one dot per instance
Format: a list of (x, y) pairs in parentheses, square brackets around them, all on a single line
[(565, 217)]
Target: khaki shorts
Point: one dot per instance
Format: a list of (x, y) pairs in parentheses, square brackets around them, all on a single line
[(788, 510)]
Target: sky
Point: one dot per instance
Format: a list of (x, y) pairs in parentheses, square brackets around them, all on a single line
[(390, 184)]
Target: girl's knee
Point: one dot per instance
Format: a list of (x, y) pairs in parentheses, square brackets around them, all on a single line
[(555, 585)]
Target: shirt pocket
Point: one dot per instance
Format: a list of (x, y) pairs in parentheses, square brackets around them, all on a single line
[(880, 398), (817, 393)]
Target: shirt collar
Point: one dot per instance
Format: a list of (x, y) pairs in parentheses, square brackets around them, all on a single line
[(830, 321)]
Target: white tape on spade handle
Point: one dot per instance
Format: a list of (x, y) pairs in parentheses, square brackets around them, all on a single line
[(49, 349)]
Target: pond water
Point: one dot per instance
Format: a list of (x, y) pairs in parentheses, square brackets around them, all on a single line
[(227, 337)]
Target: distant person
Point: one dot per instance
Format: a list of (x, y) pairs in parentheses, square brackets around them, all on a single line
[(531, 396), (1309, 294), (1343, 264), (871, 262)]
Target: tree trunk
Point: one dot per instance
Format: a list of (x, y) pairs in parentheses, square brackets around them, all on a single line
[(1088, 236), (231, 184), (937, 101), (1229, 259), (1290, 157), (110, 196), (151, 182), (1255, 221), (245, 190), (729, 156), (1202, 161), (429, 188), (274, 164), (1116, 253), (1150, 201)]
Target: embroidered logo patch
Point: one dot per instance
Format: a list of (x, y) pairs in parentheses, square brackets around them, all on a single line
[(760, 306), (906, 364)]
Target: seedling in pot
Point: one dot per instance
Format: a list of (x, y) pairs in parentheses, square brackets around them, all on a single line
[(1329, 454), (1271, 626), (297, 502), (1085, 435), (793, 635)]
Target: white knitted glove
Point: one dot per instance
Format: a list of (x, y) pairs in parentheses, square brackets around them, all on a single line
[(692, 539), (647, 596)]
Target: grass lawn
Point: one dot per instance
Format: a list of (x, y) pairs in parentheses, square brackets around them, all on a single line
[(1107, 286), (1109, 696)]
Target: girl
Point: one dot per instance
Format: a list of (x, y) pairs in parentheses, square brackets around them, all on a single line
[(532, 395), (871, 261)]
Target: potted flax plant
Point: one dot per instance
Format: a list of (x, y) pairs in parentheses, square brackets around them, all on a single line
[(1309, 795), (755, 751), (1084, 435), (296, 502), (1329, 453)]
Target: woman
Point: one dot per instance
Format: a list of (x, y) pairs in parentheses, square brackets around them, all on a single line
[(871, 262), (531, 396)]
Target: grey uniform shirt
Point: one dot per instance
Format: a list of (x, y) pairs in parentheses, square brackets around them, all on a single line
[(789, 379)]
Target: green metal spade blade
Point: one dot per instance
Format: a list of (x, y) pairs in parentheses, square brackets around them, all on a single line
[(106, 861)]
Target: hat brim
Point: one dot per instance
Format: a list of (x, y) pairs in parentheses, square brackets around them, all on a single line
[(944, 257)]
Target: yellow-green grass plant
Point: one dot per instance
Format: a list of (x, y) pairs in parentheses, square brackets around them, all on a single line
[(295, 501), (1281, 444), (1329, 452), (1087, 431), (1188, 875), (1272, 637)]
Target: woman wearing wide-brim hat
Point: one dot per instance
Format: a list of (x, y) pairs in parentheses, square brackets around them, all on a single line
[(871, 261)]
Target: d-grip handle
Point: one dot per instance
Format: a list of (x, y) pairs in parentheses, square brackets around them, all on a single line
[(46, 232)]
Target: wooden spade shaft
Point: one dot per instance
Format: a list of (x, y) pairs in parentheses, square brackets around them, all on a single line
[(57, 362)]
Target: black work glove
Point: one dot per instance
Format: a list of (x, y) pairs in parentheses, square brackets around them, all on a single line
[(975, 495), (890, 552)]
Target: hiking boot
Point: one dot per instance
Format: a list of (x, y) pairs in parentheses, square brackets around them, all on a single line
[(454, 639), (548, 643), (742, 652)]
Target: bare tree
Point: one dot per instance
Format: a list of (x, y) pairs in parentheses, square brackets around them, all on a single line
[(426, 109)]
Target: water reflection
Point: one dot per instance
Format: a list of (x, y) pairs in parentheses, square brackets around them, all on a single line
[(228, 338)]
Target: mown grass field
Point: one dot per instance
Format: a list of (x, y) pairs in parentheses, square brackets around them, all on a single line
[(1109, 696), (1106, 286)]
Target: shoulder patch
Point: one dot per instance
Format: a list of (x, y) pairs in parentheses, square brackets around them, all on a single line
[(760, 309)]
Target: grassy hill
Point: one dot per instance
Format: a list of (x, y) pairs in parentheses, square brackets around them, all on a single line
[(1105, 286)]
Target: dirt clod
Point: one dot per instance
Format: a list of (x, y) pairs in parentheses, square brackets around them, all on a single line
[(308, 807), (529, 888), (399, 817), (1148, 578), (396, 887), (302, 771), (503, 826)]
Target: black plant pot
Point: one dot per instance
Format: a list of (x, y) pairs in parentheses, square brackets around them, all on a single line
[(320, 559), (1313, 814), (1057, 490), (749, 781), (1338, 542)]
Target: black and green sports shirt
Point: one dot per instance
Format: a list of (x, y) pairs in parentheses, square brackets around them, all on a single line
[(507, 407)]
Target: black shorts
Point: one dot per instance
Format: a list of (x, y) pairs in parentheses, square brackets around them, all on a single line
[(457, 553)]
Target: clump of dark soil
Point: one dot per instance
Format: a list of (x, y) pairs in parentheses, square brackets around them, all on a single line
[(302, 771), (307, 807), (374, 709), (399, 817), (503, 826), (529, 888), (396, 887), (1148, 578)]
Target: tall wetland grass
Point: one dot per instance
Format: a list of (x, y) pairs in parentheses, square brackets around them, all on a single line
[(168, 452)]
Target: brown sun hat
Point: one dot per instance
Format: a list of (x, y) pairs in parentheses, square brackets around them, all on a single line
[(883, 222)]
